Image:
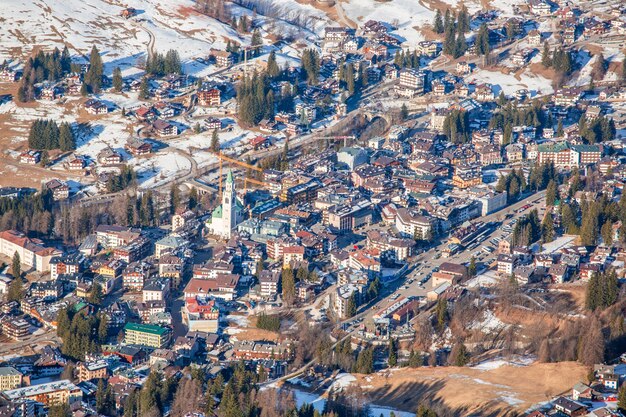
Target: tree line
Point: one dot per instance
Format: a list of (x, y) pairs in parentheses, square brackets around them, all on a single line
[(159, 65), (82, 333), (43, 67), (453, 28), (47, 135), (255, 99)]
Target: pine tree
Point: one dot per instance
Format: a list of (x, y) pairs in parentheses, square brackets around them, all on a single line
[(256, 41), (471, 269), (103, 329), (351, 308), (66, 137), (551, 194), (560, 132), (404, 112), (16, 290), (393, 353), (621, 396), (272, 66), (144, 89), (16, 266), (438, 23), (459, 356), (288, 287), (441, 313), (96, 295), (93, 77), (215, 141), (118, 81), (482, 41)]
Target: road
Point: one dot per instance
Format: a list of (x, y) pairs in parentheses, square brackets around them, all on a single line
[(428, 263), (430, 260)]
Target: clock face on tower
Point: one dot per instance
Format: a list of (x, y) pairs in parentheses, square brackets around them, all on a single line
[(226, 200)]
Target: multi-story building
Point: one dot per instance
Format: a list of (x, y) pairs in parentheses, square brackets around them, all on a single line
[(67, 264), (147, 335), (413, 225), (10, 378), (157, 289), (32, 252), (269, 282), (112, 236), (410, 82), (51, 393), (16, 329), (201, 314), (92, 370)]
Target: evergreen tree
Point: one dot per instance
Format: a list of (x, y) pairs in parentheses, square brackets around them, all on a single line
[(547, 228), (404, 112), (118, 81), (546, 56), (438, 22), (93, 77), (459, 356), (393, 353), (103, 329), (441, 313), (257, 41), (272, 66), (66, 137), (551, 194), (96, 295), (471, 269), (351, 309), (16, 266), (215, 141), (288, 287), (560, 132), (621, 396), (144, 89), (16, 290), (482, 41), (105, 403)]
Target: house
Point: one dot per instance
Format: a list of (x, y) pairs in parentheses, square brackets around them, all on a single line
[(534, 37), (30, 157), (95, 107), (7, 75), (60, 190), (213, 123), (410, 83), (138, 147), (222, 58), (164, 128), (76, 163), (156, 289), (108, 157), (463, 68), (209, 97), (540, 8), (569, 407), (145, 113)]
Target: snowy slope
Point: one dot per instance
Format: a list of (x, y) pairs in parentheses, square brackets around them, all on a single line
[(83, 23)]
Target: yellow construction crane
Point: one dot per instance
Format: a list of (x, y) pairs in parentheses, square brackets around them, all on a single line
[(223, 158)]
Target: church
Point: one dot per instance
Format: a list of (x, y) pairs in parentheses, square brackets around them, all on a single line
[(227, 215)]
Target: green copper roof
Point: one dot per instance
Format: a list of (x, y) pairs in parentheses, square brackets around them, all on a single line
[(146, 328), (229, 177)]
